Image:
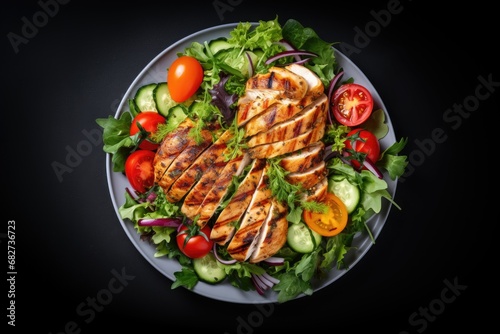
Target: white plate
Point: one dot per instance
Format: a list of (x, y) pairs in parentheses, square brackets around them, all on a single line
[(155, 71)]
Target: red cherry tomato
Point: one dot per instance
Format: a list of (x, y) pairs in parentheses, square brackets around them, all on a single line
[(351, 104), (193, 241), (184, 77), (149, 120), (139, 170), (361, 144)]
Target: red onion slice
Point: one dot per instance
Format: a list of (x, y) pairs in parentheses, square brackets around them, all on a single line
[(221, 260), (370, 165), (165, 222), (331, 89), (290, 53), (274, 261)]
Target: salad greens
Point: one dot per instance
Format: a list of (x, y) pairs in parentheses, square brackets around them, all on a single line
[(247, 49)]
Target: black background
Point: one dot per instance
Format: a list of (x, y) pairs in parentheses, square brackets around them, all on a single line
[(77, 67)]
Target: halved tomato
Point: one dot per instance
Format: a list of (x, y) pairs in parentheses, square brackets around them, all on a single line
[(351, 104), (330, 223), (139, 170), (149, 121), (361, 144)]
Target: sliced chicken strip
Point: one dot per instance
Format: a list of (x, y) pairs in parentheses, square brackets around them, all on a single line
[(185, 159), (316, 193), (289, 84), (198, 168), (272, 150), (254, 102), (219, 189), (245, 239), (276, 113), (294, 126), (310, 177), (225, 225), (273, 233), (314, 83), (303, 159), (170, 147)]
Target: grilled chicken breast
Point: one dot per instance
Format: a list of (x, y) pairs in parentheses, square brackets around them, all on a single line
[(277, 112), (310, 177), (170, 147), (197, 169), (283, 113), (273, 233), (317, 192), (254, 102), (225, 225), (184, 159), (289, 84), (314, 83), (294, 126), (271, 150), (219, 189), (245, 239), (303, 159)]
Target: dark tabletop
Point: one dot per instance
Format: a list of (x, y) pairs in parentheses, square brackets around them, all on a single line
[(65, 64)]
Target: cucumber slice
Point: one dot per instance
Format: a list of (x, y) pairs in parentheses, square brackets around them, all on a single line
[(144, 99), (302, 239), (347, 192), (133, 107), (162, 98), (219, 44), (207, 269)]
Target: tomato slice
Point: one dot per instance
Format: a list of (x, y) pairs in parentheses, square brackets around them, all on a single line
[(351, 104), (330, 223), (139, 170)]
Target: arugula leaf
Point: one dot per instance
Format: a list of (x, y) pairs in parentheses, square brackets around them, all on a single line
[(116, 138), (393, 163), (290, 286), (307, 39), (186, 277)]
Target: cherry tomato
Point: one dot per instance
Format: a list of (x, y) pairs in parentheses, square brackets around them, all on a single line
[(363, 142), (331, 222), (193, 241), (139, 170), (184, 77), (351, 104), (149, 120)]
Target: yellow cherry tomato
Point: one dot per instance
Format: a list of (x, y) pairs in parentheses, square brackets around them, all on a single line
[(330, 223)]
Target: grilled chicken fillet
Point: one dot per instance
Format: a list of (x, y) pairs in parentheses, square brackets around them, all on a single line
[(310, 177), (197, 169), (245, 239), (185, 159), (170, 147), (273, 233), (303, 159), (307, 119), (271, 150), (289, 84), (219, 189), (225, 225), (276, 113), (315, 87)]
